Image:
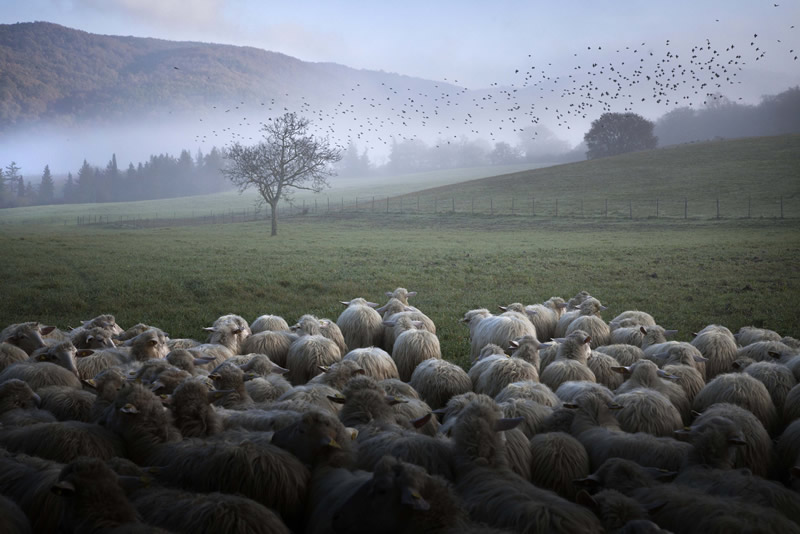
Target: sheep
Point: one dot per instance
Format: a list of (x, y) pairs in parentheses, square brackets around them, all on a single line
[(791, 342), (251, 467), (740, 389), (10, 354), (631, 318), (229, 378), (678, 353), (437, 380), (717, 344), (264, 389), (337, 375), (192, 412), (777, 378), (106, 321), (599, 432), (545, 317), (40, 371), (767, 351), (570, 363), (148, 345), (602, 366), (106, 385), (624, 354), (397, 388), (263, 323), (132, 332), (92, 338), (788, 451), (646, 374), (274, 344), (256, 365), (12, 519), (185, 360), (794, 366), (412, 409), (751, 334), (230, 331), (312, 326), (547, 355), (393, 314), (574, 347), (688, 378), (162, 377), (619, 513), (90, 365), (489, 354), (26, 336), (28, 481), (647, 410), (67, 404), (533, 415), (503, 371), (641, 336), (495, 495), (318, 396), (557, 460), (19, 405), (500, 330), (594, 326), (307, 354), (534, 391), (757, 452), (413, 347), (682, 509), (360, 324), (62, 441), (578, 299), (376, 362), (527, 348), (590, 306), (569, 391), (189, 512), (791, 405)]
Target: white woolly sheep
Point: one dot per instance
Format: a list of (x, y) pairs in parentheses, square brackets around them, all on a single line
[(527, 348), (641, 336), (561, 371), (360, 324), (558, 459), (274, 344), (590, 306), (533, 414), (568, 392), (402, 294), (777, 378), (751, 334), (338, 374), (503, 371), (545, 317), (10, 354), (677, 352), (229, 331), (529, 390), (375, 361), (263, 323), (771, 351), (27, 336), (742, 390), (413, 347), (500, 330), (646, 374), (647, 410), (624, 354), (594, 326), (41, 370), (390, 333), (717, 344), (437, 380), (602, 365), (631, 318)]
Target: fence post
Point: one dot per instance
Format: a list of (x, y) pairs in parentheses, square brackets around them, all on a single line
[(512, 205), (453, 201), (781, 206), (581, 208), (387, 204), (606, 208), (373, 205), (717, 207), (685, 208), (656, 208), (435, 205), (472, 210), (491, 206), (630, 209), (556, 207), (748, 206)]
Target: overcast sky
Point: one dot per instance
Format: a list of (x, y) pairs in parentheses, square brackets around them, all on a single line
[(476, 42)]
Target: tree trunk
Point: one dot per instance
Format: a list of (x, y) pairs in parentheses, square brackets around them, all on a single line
[(274, 209)]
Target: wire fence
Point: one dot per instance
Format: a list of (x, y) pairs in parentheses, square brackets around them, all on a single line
[(730, 207)]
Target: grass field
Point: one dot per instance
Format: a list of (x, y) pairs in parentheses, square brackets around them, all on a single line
[(687, 273)]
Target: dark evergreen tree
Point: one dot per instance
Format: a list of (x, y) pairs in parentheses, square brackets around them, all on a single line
[(47, 188), (86, 190), (69, 190)]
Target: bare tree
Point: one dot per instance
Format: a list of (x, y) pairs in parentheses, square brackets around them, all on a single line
[(288, 159)]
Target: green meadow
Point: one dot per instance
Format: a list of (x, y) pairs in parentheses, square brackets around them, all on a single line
[(686, 272)]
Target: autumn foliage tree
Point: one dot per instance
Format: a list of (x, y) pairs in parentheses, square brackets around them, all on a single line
[(288, 159), (618, 133)]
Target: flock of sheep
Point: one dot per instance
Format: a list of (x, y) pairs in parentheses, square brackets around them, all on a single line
[(563, 424)]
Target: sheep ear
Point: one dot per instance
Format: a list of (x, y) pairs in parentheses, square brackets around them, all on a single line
[(584, 499), (338, 399), (422, 421), (737, 440), (328, 441), (345, 302), (278, 370), (504, 308), (90, 382), (682, 433), (587, 340), (655, 507), (372, 304), (439, 412), (359, 372), (157, 385), (663, 374), (42, 357), (621, 369), (389, 293), (736, 365), (588, 482), (353, 433), (699, 358), (392, 400), (47, 329), (603, 308), (323, 368), (216, 394), (153, 342), (513, 344), (643, 330), (414, 499), (129, 408), (662, 475), (507, 423), (417, 324), (412, 294), (670, 332), (570, 405), (561, 305), (209, 329), (63, 487), (614, 406), (82, 353), (390, 324)]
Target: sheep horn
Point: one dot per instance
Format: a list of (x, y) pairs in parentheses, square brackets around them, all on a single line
[(507, 423), (621, 369)]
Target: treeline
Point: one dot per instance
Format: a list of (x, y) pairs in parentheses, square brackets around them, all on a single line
[(162, 176), (722, 118)]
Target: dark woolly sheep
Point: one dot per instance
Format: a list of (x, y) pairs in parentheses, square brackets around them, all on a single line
[(26, 336), (794, 366), (624, 354), (63, 441), (688, 378), (190, 513), (742, 390), (533, 414), (41, 374), (185, 360), (360, 324), (94, 499), (632, 318), (437, 381), (412, 409), (594, 326), (250, 467), (791, 406), (28, 481), (256, 365), (106, 386), (529, 390), (757, 452), (376, 362), (486, 329), (264, 389), (646, 374), (62, 353), (310, 395), (717, 344), (569, 391), (590, 306), (750, 334), (778, 380), (682, 509), (364, 401), (268, 322), (557, 460), (12, 519), (192, 411), (791, 342), (647, 410), (545, 317), (788, 452), (229, 378), (274, 344), (68, 404), (10, 354), (495, 495), (397, 388), (412, 346), (619, 513), (450, 413), (19, 405), (338, 374), (504, 371), (599, 432), (307, 355), (602, 365)]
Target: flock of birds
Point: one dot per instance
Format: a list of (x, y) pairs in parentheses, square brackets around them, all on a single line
[(375, 111)]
